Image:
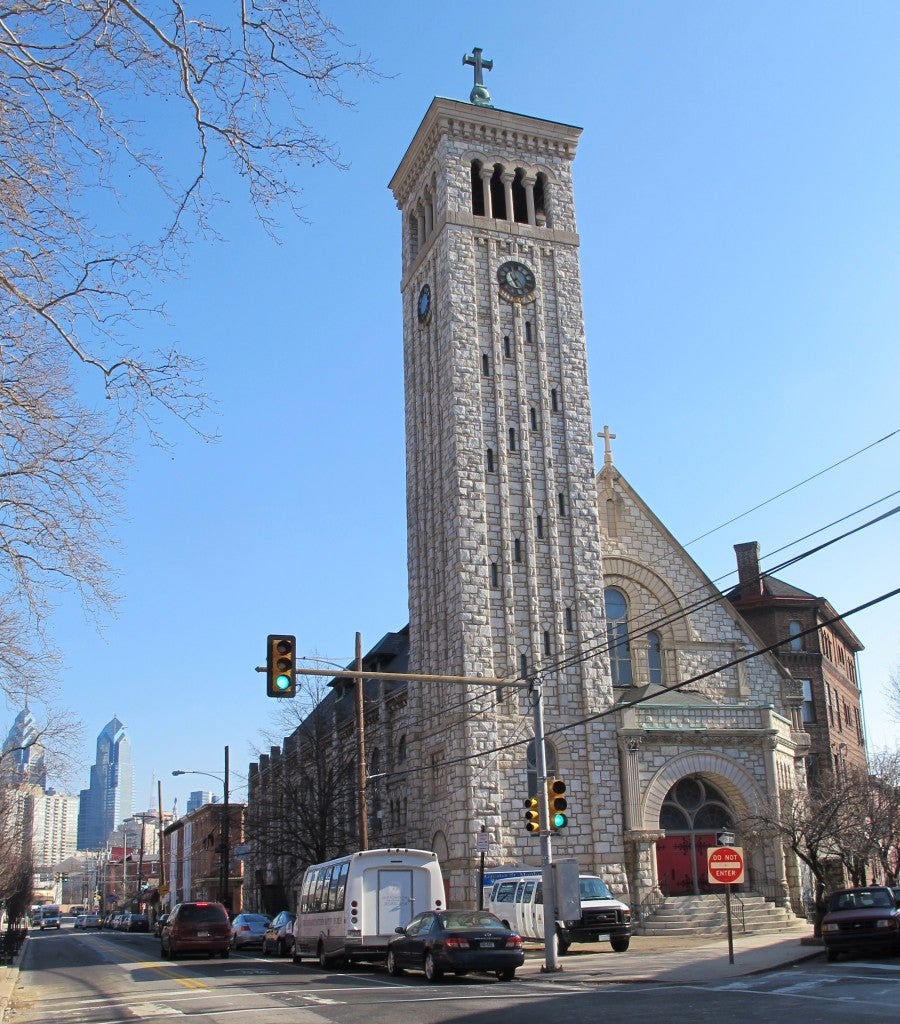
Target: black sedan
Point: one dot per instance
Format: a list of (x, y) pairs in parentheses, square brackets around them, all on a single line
[(459, 941), (865, 918)]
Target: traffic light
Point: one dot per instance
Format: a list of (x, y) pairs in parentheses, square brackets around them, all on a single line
[(281, 658), (557, 804), (532, 815)]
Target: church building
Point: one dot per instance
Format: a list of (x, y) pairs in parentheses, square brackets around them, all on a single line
[(525, 564)]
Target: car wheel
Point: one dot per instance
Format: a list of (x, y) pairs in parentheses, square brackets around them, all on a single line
[(280, 949), (225, 954), (320, 956), (173, 952), (620, 945), (392, 966), (562, 944), (163, 952), (432, 971), (506, 973), (831, 955)]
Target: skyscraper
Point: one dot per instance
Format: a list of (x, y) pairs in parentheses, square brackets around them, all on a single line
[(108, 800), (23, 754)]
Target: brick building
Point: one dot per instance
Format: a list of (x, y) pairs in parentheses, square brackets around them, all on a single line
[(822, 658), (192, 857)]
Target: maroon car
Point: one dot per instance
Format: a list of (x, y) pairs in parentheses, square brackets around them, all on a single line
[(866, 918), (196, 928)]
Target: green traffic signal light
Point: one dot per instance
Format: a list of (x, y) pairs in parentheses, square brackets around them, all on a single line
[(532, 815), (281, 653), (556, 804)]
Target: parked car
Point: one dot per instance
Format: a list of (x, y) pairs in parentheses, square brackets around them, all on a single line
[(79, 921), (137, 923), (160, 922), (248, 930), (460, 941), (91, 921), (278, 938), (864, 918), (198, 927)]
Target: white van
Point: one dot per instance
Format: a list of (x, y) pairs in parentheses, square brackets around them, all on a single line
[(519, 903), (50, 917), (350, 907)]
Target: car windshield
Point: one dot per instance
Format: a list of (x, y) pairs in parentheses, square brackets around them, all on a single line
[(254, 919), (861, 899), (461, 919), (594, 889)]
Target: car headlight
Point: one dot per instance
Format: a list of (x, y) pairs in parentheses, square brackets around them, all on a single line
[(830, 927)]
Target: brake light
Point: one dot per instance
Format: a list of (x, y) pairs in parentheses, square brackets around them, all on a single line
[(455, 942), (514, 942)]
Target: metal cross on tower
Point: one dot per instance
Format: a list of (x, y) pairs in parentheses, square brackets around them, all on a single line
[(479, 94)]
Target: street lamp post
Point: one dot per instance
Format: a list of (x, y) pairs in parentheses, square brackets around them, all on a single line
[(224, 859)]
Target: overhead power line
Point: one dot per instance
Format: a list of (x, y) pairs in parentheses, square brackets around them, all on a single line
[(794, 487)]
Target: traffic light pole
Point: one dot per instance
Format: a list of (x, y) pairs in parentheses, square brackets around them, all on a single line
[(540, 759)]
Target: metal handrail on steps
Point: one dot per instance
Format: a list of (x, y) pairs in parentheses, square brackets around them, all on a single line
[(721, 897), (649, 905)]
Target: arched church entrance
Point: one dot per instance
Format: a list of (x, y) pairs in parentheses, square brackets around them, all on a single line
[(692, 813)]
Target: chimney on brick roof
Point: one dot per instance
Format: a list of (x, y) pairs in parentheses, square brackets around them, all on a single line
[(749, 577)]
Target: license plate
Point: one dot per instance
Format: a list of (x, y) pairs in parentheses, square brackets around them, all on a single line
[(485, 945), (202, 935), (603, 938)]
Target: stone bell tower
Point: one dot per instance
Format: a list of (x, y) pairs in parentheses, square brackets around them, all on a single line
[(505, 574)]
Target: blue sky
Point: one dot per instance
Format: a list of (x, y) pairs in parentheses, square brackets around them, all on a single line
[(739, 214)]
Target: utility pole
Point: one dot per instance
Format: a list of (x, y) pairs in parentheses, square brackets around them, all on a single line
[(224, 894), (363, 803)]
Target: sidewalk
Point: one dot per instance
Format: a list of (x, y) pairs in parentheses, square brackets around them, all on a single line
[(677, 960), (9, 976)]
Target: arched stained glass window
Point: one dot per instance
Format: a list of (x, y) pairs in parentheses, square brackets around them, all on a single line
[(654, 657), (617, 637)]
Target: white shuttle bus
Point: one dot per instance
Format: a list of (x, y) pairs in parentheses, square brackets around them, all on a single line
[(350, 907)]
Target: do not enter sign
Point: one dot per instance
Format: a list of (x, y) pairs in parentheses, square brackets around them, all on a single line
[(725, 865)]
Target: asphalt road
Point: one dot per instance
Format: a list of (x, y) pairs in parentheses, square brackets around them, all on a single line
[(72, 977)]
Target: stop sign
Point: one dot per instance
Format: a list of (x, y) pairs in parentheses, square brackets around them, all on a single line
[(725, 864)]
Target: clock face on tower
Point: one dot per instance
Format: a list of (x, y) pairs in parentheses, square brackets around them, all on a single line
[(423, 307), (516, 281)]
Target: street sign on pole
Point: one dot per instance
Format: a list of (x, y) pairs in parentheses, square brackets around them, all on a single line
[(725, 865)]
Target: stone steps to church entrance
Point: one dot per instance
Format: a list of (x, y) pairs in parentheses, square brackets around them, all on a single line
[(706, 915)]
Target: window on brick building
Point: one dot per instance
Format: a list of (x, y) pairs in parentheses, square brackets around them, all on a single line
[(809, 708), (794, 628)]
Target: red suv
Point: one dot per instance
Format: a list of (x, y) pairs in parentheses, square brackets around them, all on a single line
[(196, 928)]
